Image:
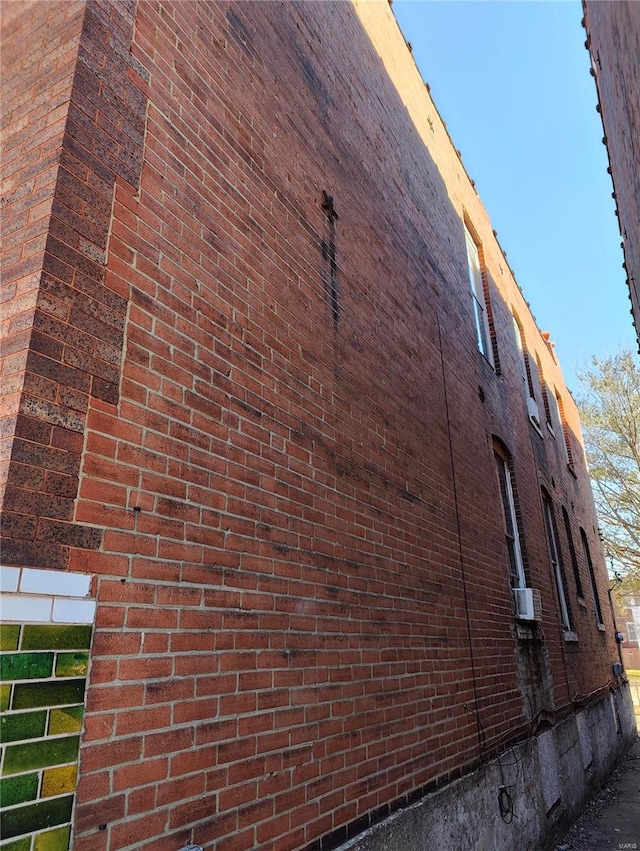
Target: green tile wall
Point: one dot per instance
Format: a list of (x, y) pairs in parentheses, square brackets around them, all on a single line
[(23, 757), (51, 637), (72, 664), (17, 790), (47, 693), (16, 821), (22, 725), (23, 844), (43, 672), (5, 696), (25, 666), (9, 634), (67, 720), (52, 840), (57, 781)]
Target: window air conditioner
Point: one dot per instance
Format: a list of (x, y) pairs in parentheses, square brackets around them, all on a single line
[(528, 604), (532, 410)]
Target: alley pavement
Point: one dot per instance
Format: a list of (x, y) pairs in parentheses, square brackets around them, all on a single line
[(611, 821)]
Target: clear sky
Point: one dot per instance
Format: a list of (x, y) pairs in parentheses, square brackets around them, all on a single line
[(511, 80)]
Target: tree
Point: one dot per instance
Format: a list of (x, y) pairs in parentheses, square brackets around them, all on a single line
[(610, 412)]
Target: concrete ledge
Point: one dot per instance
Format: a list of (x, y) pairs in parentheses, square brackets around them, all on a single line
[(523, 798)]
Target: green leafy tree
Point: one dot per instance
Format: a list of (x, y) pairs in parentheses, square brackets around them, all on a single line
[(610, 412)]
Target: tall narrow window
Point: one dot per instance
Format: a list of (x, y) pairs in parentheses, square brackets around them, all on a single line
[(512, 534), (527, 372), (592, 576), (481, 318), (565, 430), (554, 555), (545, 395), (572, 553)]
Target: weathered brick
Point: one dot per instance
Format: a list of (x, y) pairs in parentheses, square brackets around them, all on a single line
[(246, 420), (69, 534)]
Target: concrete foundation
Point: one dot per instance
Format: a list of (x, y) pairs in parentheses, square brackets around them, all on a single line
[(522, 799)]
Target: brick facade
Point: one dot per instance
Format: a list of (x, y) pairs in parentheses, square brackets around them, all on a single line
[(613, 39), (249, 401)]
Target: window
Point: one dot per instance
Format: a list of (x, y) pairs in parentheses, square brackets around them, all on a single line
[(592, 576), (632, 631), (512, 534), (572, 553), (526, 372), (554, 555), (565, 429), (481, 317), (545, 395)]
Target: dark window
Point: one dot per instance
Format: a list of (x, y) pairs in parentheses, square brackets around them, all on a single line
[(592, 577), (565, 430), (545, 396), (572, 553), (556, 564)]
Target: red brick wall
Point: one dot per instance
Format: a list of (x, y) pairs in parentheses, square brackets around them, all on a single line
[(613, 31), (304, 616), (67, 146), (39, 50)]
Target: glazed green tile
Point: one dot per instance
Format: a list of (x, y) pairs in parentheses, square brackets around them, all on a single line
[(52, 693), (9, 636), (53, 840), (46, 752), (57, 781), (22, 725), (5, 697), (19, 820), (72, 664), (56, 637), (25, 666), (18, 790), (23, 844), (67, 720)]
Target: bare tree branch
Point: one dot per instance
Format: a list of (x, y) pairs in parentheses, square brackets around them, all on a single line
[(610, 412)]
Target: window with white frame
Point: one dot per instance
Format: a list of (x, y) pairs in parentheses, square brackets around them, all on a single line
[(510, 516), (554, 555), (526, 370), (480, 314)]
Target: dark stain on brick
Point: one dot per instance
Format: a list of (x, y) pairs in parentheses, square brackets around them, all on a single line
[(240, 32), (329, 255)]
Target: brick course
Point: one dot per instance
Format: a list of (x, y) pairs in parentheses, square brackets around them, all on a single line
[(268, 432)]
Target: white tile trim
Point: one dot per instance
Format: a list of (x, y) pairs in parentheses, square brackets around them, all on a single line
[(56, 582), (30, 595), (9, 578), (26, 609), (73, 611)]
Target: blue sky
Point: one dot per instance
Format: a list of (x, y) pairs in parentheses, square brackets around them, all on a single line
[(511, 80)]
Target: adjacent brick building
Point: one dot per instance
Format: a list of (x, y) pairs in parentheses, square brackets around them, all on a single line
[(283, 451), (613, 39)]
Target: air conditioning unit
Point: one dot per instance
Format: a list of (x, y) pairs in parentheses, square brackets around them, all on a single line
[(532, 410), (528, 604)]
